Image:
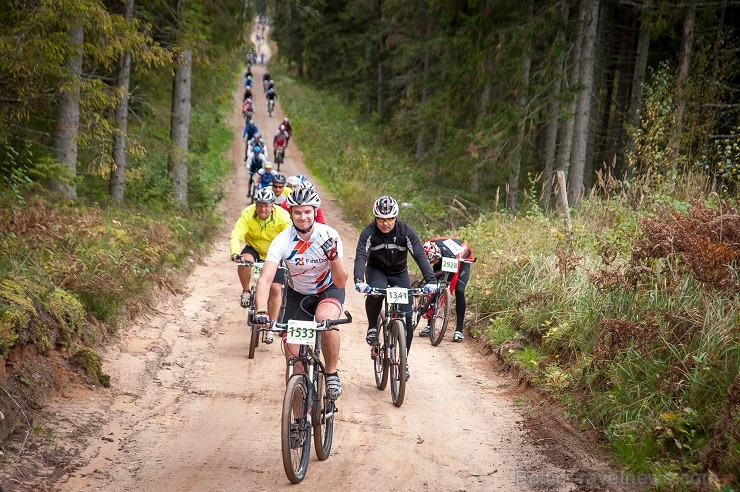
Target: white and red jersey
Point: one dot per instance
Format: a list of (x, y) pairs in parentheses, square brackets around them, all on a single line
[(309, 268)]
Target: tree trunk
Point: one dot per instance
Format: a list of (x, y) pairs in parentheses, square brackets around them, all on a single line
[(512, 191), (566, 130), (421, 143), (681, 81), (643, 48), (553, 110), (118, 169), (614, 157), (583, 105), (180, 128), (67, 128)]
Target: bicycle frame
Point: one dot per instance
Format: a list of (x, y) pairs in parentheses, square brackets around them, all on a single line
[(389, 355)]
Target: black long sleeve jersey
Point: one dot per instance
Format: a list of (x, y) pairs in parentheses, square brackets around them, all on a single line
[(388, 252)]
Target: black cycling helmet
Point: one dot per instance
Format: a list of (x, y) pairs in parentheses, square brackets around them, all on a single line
[(385, 207), (279, 178)]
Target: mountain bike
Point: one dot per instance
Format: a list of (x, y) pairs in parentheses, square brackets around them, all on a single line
[(389, 352), (279, 156), (254, 338), (270, 107), (436, 306), (306, 408)]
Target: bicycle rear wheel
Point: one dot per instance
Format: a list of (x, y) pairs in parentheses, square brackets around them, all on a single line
[(381, 359), (398, 362), (323, 419), (441, 316), (296, 429), (254, 339)]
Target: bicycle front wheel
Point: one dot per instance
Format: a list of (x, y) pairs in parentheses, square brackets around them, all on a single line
[(398, 362), (254, 339), (381, 356), (296, 429), (323, 419), (441, 317)]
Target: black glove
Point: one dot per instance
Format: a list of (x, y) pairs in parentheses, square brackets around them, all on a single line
[(236, 257), (261, 318), (330, 249)]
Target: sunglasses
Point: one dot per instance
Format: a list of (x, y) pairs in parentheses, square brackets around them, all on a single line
[(386, 221)]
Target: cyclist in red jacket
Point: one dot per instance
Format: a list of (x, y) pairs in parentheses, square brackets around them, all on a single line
[(451, 247)]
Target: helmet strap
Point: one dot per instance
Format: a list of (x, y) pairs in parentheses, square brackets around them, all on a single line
[(304, 231)]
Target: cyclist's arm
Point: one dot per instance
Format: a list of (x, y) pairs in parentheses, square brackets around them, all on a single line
[(363, 247), (262, 291), (237, 235), (339, 274)]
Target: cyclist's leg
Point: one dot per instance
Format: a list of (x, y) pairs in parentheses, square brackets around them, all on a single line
[(373, 304), (293, 310), (330, 307), (403, 280), (276, 294), (245, 272), (460, 304)]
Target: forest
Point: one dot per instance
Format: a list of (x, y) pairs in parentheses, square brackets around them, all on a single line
[(589, 150)]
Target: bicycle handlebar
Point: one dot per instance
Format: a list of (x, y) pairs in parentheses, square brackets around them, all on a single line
[(377, 291), (326, 325)]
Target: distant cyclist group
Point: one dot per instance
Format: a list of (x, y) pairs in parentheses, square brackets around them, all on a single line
[(302, 276)]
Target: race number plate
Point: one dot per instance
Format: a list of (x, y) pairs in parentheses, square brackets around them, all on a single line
[(449, 264), (454, 248), (397, 295), (301, 332), (256, 270)]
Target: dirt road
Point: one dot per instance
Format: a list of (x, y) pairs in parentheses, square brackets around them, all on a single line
[(188, 411)]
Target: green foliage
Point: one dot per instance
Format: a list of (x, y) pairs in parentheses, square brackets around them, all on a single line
[(344, 153), (652, 135)]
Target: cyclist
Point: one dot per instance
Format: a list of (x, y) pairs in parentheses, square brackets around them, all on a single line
[(450, 247), (258, 141), (249, 131), (280, 140), (271, 96), (256, 227), (380, 261), (266, 175), (247, 94), (254, 163), (248, 80), (265, 79), (270, 84), (288, 128), (247, 107), (312, 253), (279, 188)]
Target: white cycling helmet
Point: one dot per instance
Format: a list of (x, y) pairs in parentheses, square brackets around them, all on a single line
[(264, 195), (303, 196), (385, 207), (293, 181), (307, 185)]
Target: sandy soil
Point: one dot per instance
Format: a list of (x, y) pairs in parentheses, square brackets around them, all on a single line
[(187, 410)]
